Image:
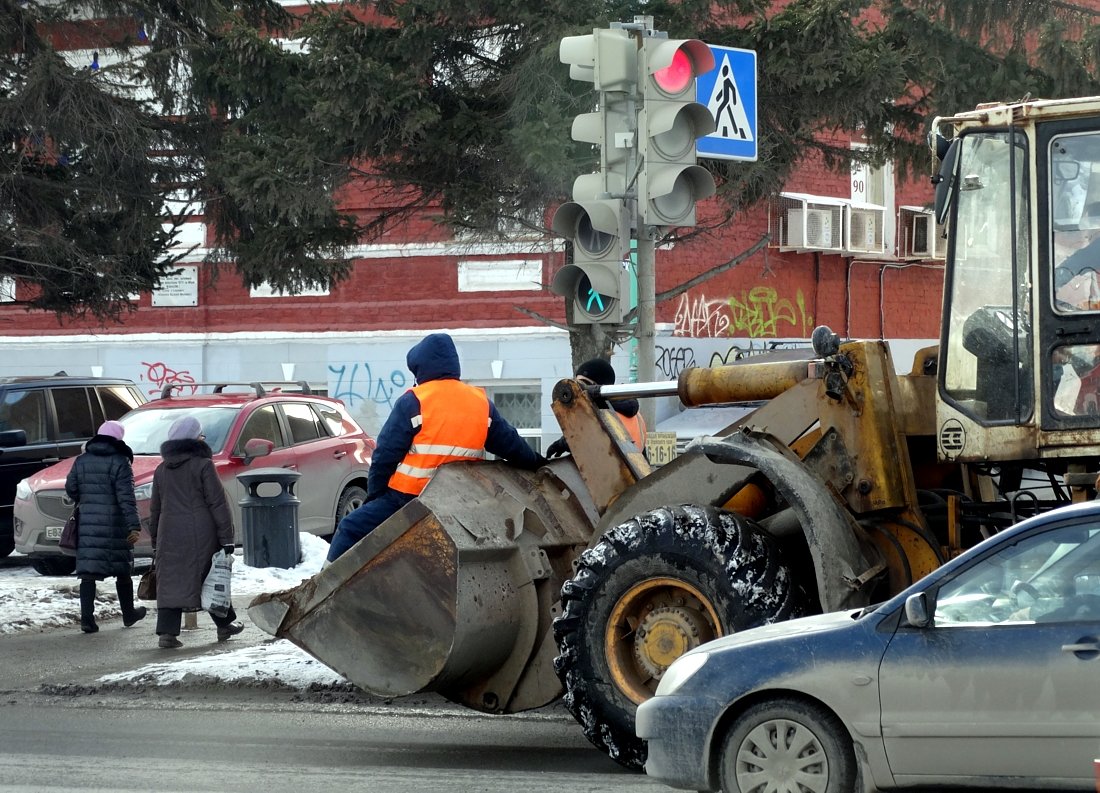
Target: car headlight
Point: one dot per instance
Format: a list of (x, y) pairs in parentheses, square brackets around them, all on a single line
[(681, 671), (23, 490), (144, 492)]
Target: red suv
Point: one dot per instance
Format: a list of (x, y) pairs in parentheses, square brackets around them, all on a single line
[(311, 434)]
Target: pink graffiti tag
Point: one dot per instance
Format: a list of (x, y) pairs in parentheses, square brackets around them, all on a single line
[(160, 375)]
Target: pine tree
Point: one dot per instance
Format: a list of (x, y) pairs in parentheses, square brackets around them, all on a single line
[(431, 103)]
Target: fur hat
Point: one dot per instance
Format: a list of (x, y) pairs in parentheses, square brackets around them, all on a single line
[(598, 371), (184, 427), (112, 429)]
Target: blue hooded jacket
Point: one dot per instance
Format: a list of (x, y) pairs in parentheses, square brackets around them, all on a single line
[(435, 358)]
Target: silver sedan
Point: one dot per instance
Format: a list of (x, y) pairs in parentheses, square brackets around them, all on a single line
[(986, 673)]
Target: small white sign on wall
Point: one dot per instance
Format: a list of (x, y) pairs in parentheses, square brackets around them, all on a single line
[(180, 288), (7, 290)]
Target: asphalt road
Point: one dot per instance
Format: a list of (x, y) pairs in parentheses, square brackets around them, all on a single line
[(61, 730), (141, 746)]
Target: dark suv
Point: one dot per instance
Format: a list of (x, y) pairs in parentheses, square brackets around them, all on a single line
[(46, 419)]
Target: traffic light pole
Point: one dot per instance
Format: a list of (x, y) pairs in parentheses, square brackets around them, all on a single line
[(647, 312)]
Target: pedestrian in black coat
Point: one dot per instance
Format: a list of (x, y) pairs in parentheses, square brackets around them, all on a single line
[(101, 482)]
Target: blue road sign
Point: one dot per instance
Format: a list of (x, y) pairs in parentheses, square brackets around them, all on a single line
[(729, 92)]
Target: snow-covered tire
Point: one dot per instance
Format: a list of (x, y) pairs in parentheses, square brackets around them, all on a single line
[(651, 589)]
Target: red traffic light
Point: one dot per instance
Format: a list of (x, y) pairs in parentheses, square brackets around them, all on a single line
[(675, 77)]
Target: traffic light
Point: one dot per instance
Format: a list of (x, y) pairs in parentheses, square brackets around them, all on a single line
[(596, 281), (598, 220), (669, 123)]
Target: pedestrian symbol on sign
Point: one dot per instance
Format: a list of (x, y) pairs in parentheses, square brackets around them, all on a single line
[(729, 93), (730, 118)]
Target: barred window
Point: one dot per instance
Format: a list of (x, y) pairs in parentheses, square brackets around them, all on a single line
[(521, 406)]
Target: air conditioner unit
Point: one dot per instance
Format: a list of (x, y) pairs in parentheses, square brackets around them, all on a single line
[(863, 231), (810, 228), (922, 236)]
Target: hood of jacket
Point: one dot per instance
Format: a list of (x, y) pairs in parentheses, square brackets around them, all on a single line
[(434, 358), (105, 446), (176, 453)]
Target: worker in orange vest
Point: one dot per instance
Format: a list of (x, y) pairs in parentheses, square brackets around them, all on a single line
[(599, 372), (438, 421)]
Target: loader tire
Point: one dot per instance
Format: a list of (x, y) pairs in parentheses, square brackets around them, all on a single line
[(653, 588)]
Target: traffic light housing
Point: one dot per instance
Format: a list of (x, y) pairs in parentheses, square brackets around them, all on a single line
[(599, 219), (670, 122), (596, 281)]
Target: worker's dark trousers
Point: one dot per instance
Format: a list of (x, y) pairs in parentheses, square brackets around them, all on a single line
[(364, 520)]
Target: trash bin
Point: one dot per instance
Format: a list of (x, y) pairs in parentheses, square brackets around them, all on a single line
[(270, 521)]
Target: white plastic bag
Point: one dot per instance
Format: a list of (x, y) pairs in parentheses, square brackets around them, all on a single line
[(216, 596)]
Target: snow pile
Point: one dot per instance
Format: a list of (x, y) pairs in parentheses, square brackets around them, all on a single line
[(276, 663)]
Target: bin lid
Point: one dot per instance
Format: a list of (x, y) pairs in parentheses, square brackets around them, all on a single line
[(280, 475)]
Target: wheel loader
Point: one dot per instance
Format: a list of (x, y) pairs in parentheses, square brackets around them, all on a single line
[(504, 590)]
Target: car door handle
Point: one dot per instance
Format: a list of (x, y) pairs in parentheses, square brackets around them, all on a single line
[(1082, 647), (51, 460), (339, 454)]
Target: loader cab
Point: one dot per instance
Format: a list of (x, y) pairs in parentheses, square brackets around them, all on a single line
[(1019, 192)]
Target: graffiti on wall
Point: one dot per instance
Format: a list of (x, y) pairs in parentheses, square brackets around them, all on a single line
[(759, 313), (356, 383), (161, 374), (671, 361)]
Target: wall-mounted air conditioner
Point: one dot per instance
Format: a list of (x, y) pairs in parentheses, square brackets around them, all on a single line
[(922, 237), (804, 222), (865, 229), (810, 228)]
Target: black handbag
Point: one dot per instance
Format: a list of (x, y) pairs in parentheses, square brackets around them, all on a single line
[(69, 533), (147, 586)]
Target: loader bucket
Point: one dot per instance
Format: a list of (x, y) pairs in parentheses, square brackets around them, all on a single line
[(452, 594)]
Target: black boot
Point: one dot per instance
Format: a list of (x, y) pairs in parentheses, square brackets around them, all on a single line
[(87, 605), (124, 585)]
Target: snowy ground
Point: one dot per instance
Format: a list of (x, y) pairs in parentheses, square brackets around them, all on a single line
[(31, 602)]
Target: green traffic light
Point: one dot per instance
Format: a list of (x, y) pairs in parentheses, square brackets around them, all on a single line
[(595, 303)]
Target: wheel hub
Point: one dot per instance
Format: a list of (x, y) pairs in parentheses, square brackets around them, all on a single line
[(664, 635), (652, 624)]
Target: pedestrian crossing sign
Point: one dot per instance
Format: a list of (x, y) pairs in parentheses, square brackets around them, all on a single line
[(729, 92)]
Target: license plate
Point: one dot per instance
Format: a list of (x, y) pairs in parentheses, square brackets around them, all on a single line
[(53, 532)]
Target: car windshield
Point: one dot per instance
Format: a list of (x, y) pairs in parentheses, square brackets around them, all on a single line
[(147, 428)]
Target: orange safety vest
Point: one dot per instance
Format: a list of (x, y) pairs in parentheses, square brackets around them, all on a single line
[(635, 426), (452, 425)]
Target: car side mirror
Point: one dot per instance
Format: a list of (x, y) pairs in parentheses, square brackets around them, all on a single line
[(918, 610), (12, 438), (256, 447)]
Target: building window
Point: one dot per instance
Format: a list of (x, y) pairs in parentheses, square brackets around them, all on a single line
[(521, 407), (500, 275)]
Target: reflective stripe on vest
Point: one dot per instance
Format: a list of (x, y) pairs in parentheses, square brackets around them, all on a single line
[(635, 425), (453, 422)]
